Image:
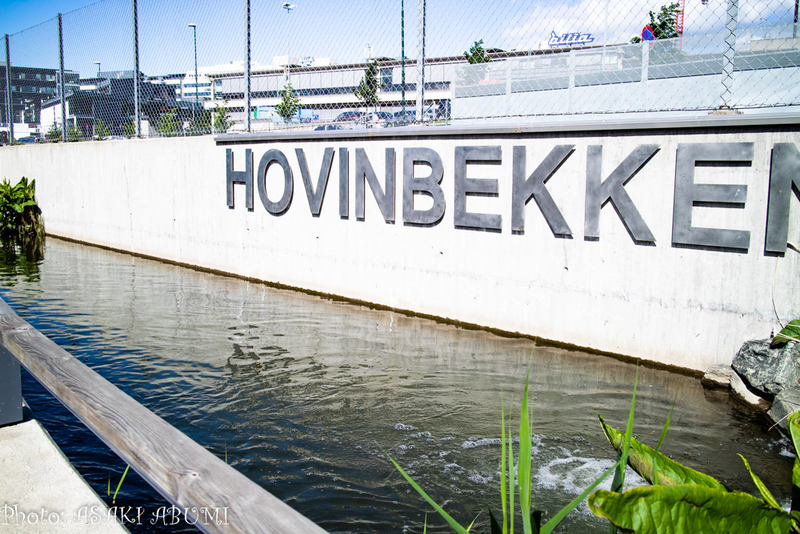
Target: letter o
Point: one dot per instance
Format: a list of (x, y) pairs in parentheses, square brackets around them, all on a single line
[(280, 207)]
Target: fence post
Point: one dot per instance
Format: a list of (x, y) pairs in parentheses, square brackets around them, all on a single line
[(61, 80), (10, 388), (247, 65), (137, 112), (9, 95), (729, 53), (421, 63)]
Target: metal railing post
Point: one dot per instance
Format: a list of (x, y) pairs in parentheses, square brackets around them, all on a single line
[(247, 65), (10, 388), (9, 95), (137, 112), (729, 53), (421, 62), (61, 85)]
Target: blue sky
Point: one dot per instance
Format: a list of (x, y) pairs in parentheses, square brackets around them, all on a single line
[(336, 29)]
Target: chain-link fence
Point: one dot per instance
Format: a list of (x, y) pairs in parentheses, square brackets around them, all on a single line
[(122, 68)]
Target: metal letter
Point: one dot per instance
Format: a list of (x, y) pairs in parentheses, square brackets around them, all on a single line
[(384, 197), (689, 194), (240, 177), (428, 186), (598, 194), (270, 157), (784, 174), (10, 388), (315, 198), (344, 184), (476, 155), (533, 187)]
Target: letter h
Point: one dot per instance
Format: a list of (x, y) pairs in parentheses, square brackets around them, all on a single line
[(240, 177)]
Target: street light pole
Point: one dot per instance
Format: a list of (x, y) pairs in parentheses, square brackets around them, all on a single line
[(193, 26), (98, 73), (288, 7)]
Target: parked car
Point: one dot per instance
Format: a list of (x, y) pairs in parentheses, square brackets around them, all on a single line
[(29, 139), (329, 127), (380, 119), (350, 116), (399, 119)]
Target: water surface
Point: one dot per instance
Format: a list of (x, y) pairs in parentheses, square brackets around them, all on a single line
[(306, 395)]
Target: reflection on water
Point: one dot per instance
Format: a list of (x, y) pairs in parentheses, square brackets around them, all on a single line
[(306, 395)]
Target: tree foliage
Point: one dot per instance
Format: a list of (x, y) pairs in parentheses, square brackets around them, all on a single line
[(167, 125), (54, 132), (222, 118), (477, 54), (289, 104), (367, 90), (101, 130), (664, 24)]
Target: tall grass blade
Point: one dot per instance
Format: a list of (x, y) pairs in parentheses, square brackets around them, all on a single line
[(503, 471), (765, 493), (622, 464), (524, 463), (510, 457), (120, 484), (556, 519), (447, 517), (661, 439)]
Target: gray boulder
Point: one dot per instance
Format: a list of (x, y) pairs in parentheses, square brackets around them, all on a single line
[(786, 403), (718, 376), (768, 371)]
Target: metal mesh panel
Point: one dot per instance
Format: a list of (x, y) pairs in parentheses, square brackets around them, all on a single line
[(328, 65)]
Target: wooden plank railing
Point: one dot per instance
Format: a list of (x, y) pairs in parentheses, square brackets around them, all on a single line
[(185, 473)]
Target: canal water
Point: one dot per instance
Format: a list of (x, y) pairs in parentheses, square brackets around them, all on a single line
[(307, 396)]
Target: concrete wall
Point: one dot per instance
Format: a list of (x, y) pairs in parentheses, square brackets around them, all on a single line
[(689, 306)]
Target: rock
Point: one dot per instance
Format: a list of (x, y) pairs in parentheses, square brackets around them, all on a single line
[(740, 392), (768, 371), (717, 376), (786, 402)]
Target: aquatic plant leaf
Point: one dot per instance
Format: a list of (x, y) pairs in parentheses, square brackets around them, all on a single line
[(791, 332), (670, 472), (793, 423), (503, 500), (447, 517), (493, 524), (661, 438), (556, 519), (524, 462), (765, 493), (113, 500), (688, 509)]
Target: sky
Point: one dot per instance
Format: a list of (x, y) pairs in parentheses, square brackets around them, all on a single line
[(101, 31)]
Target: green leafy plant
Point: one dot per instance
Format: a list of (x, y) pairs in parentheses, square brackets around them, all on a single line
[(790, 332), (101, 130), (222, 117), (119, 485), (289, 104), (683, 501), (129, 129), (477, 54), (54, 133), (664, 23), (367, 90), (167, 125), (531, 519), (201, 123), (20, 217), (73, 134)]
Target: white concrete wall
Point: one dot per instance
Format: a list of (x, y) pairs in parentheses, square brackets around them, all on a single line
[(679, 306)]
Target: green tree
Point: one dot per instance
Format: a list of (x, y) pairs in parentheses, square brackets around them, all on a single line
[(201, 123), (101, 130), (664, 24), (73, 134), (367, 90), (477, 54), (289, 104), (54, 133), (129, 129), (167, 125), (222, 118)]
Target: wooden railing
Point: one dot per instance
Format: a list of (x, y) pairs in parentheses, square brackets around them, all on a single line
[(186, 474)]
